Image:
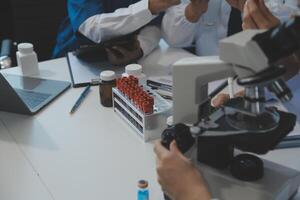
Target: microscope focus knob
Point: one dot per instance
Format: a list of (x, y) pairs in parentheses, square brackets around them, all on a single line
[(181, 134), (247, 167)]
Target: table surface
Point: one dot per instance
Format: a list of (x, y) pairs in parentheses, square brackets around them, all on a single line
[(91, 155)]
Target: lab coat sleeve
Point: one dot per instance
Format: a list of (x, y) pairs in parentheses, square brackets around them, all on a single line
[(176, 29), (149, 38), (123, 21)]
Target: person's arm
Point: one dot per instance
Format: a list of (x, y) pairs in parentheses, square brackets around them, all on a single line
[(123, 21), (258, 16), (178, 177), (149, 38), (180, 23), (176, 29)]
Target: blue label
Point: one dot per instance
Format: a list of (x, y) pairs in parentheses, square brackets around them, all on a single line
[(143, 195)]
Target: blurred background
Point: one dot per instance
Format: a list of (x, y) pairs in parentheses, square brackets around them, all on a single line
[(34, 21)]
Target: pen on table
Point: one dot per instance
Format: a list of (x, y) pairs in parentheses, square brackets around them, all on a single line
[(80, 99)]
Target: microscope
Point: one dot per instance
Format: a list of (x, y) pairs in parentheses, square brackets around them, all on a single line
[(229, 139)]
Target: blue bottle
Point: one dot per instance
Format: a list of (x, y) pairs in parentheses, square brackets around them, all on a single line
[(143, 191)]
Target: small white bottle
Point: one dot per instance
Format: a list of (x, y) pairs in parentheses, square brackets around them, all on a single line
[(143, 190), (135, 70), (27, 59)]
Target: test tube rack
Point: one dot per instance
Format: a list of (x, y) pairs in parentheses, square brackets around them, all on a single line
[(142, 108)]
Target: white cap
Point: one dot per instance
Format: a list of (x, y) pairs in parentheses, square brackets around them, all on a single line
[(134, 69), (108, 75), (25, 48)]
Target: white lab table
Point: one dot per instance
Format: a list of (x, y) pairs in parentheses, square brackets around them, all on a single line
[(90, 155), (18, 178)]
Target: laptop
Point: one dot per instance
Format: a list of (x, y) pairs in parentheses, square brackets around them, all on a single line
[(27, 95)]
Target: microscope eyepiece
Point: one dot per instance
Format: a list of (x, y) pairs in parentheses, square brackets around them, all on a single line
[(280, 41)]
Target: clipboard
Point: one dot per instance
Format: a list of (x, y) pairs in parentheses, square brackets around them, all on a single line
[(85, 73)]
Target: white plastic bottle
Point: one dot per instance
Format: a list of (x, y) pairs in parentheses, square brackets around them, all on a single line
[(27, 59), (135, 70)]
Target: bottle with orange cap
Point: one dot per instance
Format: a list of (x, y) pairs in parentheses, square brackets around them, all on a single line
[(143, 191)]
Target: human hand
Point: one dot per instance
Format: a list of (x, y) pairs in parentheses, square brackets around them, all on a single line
[(258, 16), (223, 98), (238, 4), (157, 6), (177, 176), (118, 55), (195, 9)]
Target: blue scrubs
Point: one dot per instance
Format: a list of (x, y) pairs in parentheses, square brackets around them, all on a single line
[(68, 38)]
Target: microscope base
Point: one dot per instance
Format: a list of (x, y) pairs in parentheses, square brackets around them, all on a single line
[(278, 183)]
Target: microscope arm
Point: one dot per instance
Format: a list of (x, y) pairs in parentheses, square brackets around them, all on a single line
[(190, 84)]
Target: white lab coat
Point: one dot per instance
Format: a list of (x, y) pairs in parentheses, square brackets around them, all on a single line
[(206, 33), (123, 21)]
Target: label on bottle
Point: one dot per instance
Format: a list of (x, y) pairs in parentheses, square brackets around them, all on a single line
[(143, 194)]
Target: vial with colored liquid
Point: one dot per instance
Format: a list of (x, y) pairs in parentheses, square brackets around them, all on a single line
[(135, 70), (107, 82), (143, 191)]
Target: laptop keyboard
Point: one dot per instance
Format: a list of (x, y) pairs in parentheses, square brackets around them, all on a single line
[(32, 99)]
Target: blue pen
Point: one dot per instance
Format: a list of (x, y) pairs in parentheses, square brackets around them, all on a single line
[(80, 99)]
